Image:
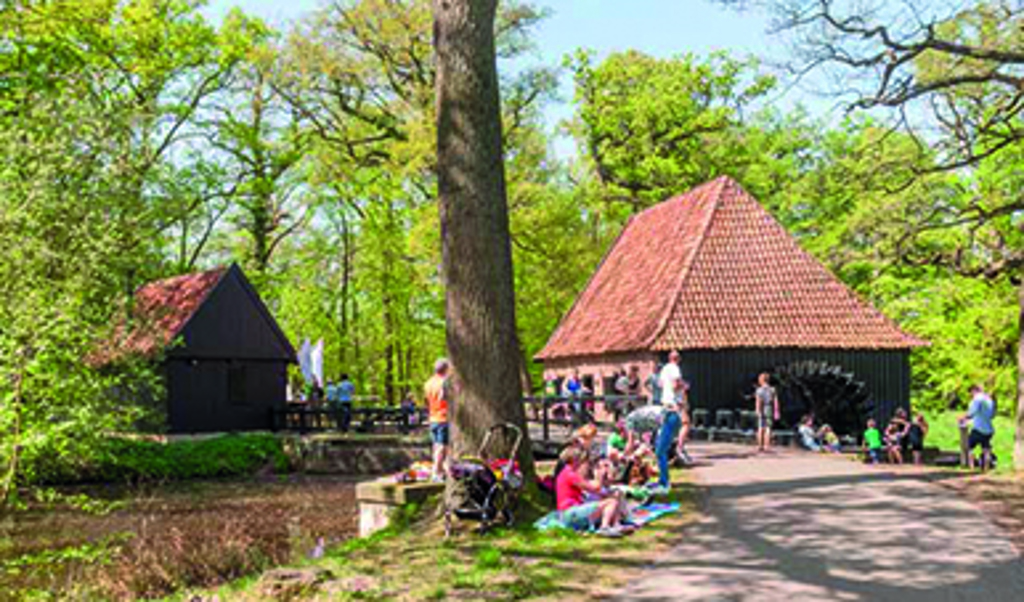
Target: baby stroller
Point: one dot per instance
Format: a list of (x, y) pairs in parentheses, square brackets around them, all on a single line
[(485, 490)]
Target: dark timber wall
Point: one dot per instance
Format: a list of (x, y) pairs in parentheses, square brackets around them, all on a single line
[(229, 370), (720, 379)]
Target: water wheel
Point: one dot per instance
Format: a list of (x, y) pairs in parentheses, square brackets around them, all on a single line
[(834, 395)]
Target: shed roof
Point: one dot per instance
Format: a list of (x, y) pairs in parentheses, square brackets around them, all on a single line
[(712, 269), (160, 311)]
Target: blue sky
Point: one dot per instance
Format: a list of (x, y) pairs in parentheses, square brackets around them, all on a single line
[(657, 27)]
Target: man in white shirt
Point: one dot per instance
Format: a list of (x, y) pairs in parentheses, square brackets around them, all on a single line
[(670, 379), (674, 391)]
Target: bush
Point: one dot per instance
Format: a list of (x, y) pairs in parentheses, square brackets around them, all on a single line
[(117, 459)]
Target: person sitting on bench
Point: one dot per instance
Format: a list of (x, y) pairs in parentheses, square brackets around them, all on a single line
[(808, 436)]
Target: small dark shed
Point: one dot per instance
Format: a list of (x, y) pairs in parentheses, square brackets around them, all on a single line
[(712, 274), (224, 358)]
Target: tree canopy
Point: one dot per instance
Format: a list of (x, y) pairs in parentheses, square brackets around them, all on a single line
[(141, 140)]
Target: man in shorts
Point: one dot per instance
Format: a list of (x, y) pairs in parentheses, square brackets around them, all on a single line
[(981, 412), (436, 392), (766, 404)]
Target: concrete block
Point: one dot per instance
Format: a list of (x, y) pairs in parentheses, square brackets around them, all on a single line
[(378, 499)]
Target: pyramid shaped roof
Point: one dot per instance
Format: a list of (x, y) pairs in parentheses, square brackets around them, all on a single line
[(712, 269)]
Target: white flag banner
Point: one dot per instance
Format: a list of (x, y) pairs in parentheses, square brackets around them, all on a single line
[(316, 362), (304, 361)]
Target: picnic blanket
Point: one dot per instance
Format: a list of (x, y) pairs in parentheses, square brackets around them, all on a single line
[(647, 513), (639, 516)]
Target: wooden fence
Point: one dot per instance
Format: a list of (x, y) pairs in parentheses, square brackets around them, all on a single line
[(572, 412), (547, 412), (305, 419)]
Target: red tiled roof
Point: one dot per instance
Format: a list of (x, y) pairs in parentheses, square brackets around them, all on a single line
[(712, 269), (161, 310)]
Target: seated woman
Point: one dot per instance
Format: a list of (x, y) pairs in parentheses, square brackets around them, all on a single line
[(808, 437), (570, 488)]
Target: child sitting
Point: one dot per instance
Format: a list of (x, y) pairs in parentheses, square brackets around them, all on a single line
[(893, 443), (640, 473), (872, 442), (829, 439), (617, 447)]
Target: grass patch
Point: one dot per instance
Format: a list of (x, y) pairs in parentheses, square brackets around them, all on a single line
[(944, 433), (411, 560)]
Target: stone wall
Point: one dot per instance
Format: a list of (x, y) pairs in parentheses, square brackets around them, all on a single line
[(356, 456)]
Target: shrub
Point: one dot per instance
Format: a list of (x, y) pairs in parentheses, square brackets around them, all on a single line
[(117, 459)]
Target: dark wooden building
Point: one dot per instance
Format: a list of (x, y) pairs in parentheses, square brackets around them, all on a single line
[(223, 357), (712, 274)]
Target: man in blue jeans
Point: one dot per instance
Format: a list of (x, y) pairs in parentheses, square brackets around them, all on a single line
[(670, 434), (981, 412)]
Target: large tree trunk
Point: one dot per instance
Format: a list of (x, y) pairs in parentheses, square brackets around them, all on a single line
[(1018, 445), (477, 254), (524, 370)]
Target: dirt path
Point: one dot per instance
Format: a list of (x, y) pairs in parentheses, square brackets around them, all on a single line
[(795, 526)]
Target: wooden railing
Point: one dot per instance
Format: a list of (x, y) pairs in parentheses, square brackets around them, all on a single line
[(548, 411), (306, 419)]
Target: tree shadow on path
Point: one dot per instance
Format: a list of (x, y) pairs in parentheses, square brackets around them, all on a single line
[(851, 533)]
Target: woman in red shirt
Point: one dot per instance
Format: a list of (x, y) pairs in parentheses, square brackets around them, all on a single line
[(569, 489)]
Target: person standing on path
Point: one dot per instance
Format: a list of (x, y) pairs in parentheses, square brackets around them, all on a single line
[(670, 433), (675, 390), (766, 404), (683, 399), (917, 430), (670, 379), (981, 412), (436, 392)]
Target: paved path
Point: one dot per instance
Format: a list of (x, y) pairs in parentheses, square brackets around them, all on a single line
[(797, 527)]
